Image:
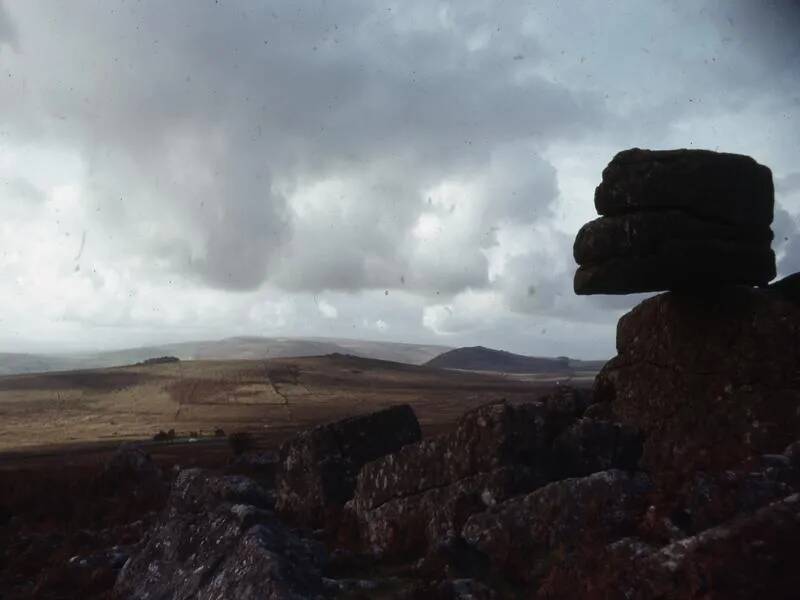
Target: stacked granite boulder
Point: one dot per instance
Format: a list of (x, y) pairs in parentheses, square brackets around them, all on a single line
[(677, 219)]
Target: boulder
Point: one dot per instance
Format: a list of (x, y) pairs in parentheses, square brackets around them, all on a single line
[(652, 233), (682, 266), (709, 378), (728, 188), (131, 471), (208, 544), (748, 557), (523, 537), (486, 438), (589, 446), (566, 403), (408, 526), (788, 287), (317, 470), (677, 220)]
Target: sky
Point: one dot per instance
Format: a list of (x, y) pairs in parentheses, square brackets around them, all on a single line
[(403, 171)]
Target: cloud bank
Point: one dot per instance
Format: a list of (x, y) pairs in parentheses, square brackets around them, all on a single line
[(412, 171)]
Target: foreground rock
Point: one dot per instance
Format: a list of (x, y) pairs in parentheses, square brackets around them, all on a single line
[(217, 540), (408, 526), (131, 470), (521, 537), (407, 502), (747, 557), (317, 470), (676, 220), (710, 378), (487, 438)]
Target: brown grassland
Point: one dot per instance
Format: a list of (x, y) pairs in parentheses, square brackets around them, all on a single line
[(271, 399)]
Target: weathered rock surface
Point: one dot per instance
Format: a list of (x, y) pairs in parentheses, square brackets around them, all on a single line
[(452, 589), (212, 543), (751, 556), (677, 220), (678, 264), (523, 536), (317, 470), (644, 234), (589, 446), (487, 438), (788, 287), (709, 378), (410, 525), (131, 470), (730, 188)]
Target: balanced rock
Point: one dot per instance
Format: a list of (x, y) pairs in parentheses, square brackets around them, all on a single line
[(677, 219), (317, 470)]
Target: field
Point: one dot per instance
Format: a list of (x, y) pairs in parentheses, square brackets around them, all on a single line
[(270, 398)]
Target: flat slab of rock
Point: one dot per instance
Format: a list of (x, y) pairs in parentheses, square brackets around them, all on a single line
[(729, 188), (317, 470), (679, 265), (644, 234)]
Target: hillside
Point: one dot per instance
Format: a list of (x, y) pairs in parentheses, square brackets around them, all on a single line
[(234, 348), (277, 396), (479, 358)]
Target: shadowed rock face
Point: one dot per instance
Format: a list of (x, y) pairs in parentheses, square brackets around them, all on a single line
[(317, 470), (708, 378), (749, 556), (677, 220), (520, 534), (486, 438), (407, 502), (216, 539), (723, 187)]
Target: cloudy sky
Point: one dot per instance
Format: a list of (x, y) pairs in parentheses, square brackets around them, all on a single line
[(410, 171)]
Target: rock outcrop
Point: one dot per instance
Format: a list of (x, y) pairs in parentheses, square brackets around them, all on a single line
[(317, 470), (730, 535), (406, 502), (523, 537), (677, 219), (710, 378), (217, 539), (678, 476), (707, 373)]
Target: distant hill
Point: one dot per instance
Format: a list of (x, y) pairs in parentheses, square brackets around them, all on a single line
[(234, 348), (478, 358)]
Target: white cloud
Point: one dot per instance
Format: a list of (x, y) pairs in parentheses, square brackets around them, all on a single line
[(327, 310), (221, 166)]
